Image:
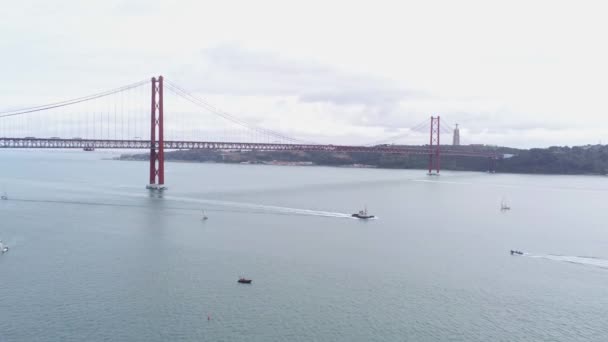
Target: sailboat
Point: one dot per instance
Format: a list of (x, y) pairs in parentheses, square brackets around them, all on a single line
[(504, 206), (204, 215), (4, 196)]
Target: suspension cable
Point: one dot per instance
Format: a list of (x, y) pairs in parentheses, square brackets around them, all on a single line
[(64, 103), (202, 103)]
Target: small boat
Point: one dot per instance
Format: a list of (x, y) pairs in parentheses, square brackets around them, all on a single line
[(89, 148), (4, 196), (517, 252), (362, 214), (504, 206), (244, 281), (3, 248), (204, 216)]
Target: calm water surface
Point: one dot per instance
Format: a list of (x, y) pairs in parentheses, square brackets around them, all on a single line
[(95, 257)]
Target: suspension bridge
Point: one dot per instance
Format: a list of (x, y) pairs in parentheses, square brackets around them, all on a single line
[(141, 116)]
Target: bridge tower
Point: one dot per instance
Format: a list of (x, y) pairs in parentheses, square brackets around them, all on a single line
[(434, 146), (157, 152)]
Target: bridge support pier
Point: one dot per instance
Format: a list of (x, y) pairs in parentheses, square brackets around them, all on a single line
[(157, 153), (434, 147), (492, 165)]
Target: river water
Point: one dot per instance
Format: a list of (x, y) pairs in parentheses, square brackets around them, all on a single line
[(95, 257)]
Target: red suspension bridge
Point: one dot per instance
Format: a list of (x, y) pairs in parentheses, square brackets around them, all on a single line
[(123, 118)]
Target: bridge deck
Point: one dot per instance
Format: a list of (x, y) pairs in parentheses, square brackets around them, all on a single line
[(45, 143)]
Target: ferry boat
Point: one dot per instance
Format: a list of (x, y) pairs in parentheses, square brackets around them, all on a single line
[(362, 214)]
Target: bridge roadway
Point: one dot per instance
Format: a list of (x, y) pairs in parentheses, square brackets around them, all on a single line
[(44, 143)]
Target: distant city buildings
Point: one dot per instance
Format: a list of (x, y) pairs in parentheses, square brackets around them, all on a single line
[(456, 138)]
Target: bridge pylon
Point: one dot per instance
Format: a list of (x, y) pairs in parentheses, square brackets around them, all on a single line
[(157, 153), (492, 164), (434, 147)]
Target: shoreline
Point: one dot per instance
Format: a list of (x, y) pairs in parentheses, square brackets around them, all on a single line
[(362, 167), (355, 166)]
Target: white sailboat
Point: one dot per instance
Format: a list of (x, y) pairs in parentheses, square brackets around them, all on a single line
[(503, 205)]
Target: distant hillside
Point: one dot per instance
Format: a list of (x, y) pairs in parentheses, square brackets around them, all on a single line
[(590, 159)]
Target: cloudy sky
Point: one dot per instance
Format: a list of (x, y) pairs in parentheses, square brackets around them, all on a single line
[(517, 73)]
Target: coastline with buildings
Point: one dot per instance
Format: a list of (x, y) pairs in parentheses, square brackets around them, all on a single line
[(577, 160), (581, 160)]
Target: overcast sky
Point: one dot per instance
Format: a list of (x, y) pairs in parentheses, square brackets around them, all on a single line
[(516, 73)]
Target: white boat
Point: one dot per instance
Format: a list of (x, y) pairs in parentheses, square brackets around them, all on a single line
[(504, 206), (3, 248)]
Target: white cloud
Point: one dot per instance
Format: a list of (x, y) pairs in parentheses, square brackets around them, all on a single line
[(520, 73)]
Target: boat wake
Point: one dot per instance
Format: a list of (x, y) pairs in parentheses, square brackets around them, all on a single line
[(581, 260), (260, 207), (236, 207), (241, 206)]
